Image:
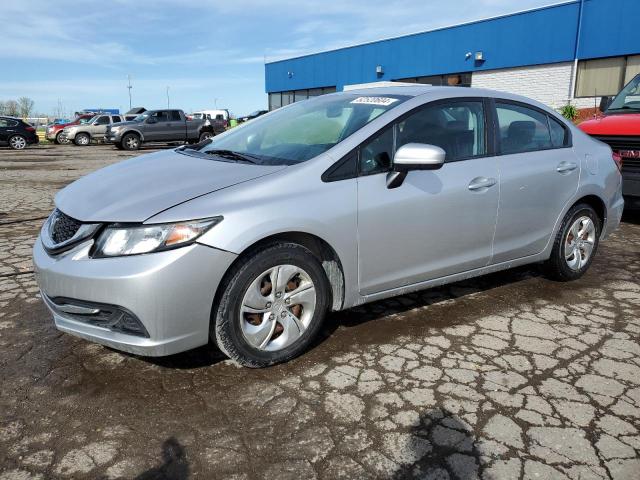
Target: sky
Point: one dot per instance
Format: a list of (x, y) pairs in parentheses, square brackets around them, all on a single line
[(209, 53)]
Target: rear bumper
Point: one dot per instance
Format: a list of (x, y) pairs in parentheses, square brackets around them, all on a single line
[(170, 293)]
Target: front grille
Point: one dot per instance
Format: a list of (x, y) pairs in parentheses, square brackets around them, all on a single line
[(63, 227), (618, 143)]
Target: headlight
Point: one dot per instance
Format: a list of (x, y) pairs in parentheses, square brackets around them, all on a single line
[(117, 240)]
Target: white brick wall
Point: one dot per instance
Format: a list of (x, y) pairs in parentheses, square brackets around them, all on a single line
[(548, 84)]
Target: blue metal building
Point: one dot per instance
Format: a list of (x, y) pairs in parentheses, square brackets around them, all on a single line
[(513, 52)]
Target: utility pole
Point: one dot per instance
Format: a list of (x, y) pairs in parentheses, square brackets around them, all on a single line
[(129, 87), (168, 97), (215, 103)]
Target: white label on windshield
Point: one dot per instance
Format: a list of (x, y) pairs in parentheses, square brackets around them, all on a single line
[(384, 101)]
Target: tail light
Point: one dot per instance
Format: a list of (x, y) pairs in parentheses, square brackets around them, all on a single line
[(30, 129), (617, 159)]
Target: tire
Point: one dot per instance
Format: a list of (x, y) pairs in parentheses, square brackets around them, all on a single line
[(205, 136), (131, 141), (82, 139), (61, 139), (569, 259), (18, 142), (249, 282)]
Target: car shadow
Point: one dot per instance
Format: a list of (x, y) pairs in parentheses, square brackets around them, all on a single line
[(631, 216)]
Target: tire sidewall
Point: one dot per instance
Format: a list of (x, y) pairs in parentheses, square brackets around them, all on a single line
[(226, 324), (578, 211)]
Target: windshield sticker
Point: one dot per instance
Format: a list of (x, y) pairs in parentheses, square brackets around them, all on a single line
[(383, 101)]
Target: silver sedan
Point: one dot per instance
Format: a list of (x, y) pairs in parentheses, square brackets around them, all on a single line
[(249, 239)]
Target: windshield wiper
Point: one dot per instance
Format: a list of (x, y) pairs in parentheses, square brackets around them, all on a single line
[(230, 154)]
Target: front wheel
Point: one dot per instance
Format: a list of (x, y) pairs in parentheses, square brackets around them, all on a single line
[(131, 141), (575, 245), (61, 139), (272, 306), (82, 139)]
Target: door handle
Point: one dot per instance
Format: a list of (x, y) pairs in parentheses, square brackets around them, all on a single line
[(481, 183), (566, 167)]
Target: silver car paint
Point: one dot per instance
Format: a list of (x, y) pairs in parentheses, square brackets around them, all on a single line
[(388, 241)]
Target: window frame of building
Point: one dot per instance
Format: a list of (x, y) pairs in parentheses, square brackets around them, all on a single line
[(628, 66), (296, 96)]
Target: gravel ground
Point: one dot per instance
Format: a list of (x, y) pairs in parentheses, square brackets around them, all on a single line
[(504, 377)]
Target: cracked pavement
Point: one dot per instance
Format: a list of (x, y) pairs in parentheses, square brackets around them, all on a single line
[(509, 376)]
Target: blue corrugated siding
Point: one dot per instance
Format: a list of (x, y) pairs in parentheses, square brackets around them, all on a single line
[(536, 37)]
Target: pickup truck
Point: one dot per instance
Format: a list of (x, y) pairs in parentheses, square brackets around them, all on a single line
[(619, 127), (167, 126)]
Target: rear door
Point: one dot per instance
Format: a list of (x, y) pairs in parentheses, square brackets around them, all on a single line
[(539, 174), (438, 222), (176, 126)]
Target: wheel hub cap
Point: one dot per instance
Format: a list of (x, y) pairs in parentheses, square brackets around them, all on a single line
[(277, 308), (579, 243)]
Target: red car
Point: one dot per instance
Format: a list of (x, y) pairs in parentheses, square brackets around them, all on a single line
[(619, 127), (53, 131)]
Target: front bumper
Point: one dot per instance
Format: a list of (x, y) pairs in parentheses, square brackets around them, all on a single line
[(112, 137), (170, 293)]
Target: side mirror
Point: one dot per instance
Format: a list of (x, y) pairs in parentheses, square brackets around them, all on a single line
[(152, 120), (605, 102), (414, 156)]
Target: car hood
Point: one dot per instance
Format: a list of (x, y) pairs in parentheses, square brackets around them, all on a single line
[(137, 189), (614, 124)]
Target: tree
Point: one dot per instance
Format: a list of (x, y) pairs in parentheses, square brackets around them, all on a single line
[(11, 108), (3, 107), (25, 104)]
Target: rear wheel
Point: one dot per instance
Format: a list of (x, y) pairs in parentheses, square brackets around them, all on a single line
[(575, 245), (131, 141), (272, 305), (82, 139), (18, 142), (205, 136)]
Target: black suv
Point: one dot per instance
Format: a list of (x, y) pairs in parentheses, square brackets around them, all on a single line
[(16, 133)]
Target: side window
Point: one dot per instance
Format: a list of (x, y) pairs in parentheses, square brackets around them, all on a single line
[(376, 155), (175, 116), (115, 119), (522, 129), (161, 116), (3, 123), (456, 127), (103, 120), (559, 133)]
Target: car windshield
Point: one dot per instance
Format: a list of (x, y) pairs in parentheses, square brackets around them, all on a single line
[(628, 98), (142, 117), (303, 130), (86, 120), (92, 119)]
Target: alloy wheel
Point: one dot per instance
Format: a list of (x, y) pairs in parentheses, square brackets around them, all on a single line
[(579, 243), (18, 142), (277, 308)]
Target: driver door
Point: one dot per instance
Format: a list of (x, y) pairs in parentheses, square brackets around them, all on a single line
[(436, 223), (156, 131)]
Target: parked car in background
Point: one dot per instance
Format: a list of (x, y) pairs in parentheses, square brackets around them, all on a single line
[(248, 240), (53, 133), (165, 126), (17, 133), (220, 115), (94, 129), (619, 127), (252, 115)]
